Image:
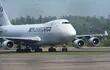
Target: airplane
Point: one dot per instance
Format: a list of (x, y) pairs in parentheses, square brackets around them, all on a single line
[(53, 33)]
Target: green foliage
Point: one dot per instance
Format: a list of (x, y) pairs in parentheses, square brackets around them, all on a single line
[(106, 43), (31, 20), (89, 25), (24, 20)]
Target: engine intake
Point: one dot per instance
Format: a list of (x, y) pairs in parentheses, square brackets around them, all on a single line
[(78, 43), (8, 44), (94, 41)]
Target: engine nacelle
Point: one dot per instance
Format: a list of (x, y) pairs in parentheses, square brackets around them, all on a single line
[(8, 44), (78, 43), (94, 41)]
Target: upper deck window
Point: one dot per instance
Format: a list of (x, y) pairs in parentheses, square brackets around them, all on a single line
[(65, 22)]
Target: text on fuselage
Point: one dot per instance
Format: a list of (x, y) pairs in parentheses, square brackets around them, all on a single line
[(40, 29)]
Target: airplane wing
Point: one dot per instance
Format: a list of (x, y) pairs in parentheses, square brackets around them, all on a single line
[(35, 39), (93, 35)]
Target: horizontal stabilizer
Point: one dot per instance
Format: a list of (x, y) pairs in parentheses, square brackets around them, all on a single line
[(106, 33)]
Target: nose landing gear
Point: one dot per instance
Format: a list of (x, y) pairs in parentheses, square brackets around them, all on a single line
[(64, 49)]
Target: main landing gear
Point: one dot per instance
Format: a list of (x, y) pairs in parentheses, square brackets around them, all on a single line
[(38, 49), (20, 50), (26, 50), (52, 49)]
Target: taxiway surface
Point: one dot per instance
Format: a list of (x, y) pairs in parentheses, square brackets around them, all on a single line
[(55, 61)]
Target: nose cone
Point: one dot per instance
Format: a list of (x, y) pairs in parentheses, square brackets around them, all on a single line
[(71, 31)]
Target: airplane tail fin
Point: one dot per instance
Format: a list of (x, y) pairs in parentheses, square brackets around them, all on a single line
[(3, 17)]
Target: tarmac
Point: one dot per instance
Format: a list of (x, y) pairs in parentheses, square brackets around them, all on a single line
[(83, 60)]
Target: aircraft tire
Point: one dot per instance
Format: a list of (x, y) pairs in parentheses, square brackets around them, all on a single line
[(51, 49), (64, 49), (19, 50), (38, 50), (27, 50)]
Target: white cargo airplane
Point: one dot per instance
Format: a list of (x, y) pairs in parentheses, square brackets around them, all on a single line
[(51, 33)]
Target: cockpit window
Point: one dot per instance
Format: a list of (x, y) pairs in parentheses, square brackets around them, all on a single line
[(65, 22)]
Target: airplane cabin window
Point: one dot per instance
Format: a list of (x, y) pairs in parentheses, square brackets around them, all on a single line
[(65, 22)]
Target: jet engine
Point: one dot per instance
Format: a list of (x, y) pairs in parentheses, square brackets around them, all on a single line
[(94, 41), (8, 44), (78, 43)]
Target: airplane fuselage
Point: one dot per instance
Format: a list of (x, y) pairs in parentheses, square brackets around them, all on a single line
[(49, 33)]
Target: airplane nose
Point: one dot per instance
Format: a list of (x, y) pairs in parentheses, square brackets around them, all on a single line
[(67, 32), (71, 30)]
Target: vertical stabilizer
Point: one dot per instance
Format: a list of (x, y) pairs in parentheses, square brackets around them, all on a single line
[(3, 17)]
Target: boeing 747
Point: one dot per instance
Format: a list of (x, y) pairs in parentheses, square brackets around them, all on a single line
[(55, 32)]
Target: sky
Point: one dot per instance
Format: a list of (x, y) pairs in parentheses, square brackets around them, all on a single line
[(35, 8)]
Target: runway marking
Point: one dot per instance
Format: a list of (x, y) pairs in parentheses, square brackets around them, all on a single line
[(13, 63), (76, 62)]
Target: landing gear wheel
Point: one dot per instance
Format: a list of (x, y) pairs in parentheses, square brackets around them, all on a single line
[(19, 50), (38, 49), (27, 50), (51, 49), (64, 49)]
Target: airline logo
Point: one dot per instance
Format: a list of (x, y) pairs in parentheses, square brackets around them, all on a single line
[(40, 29)]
